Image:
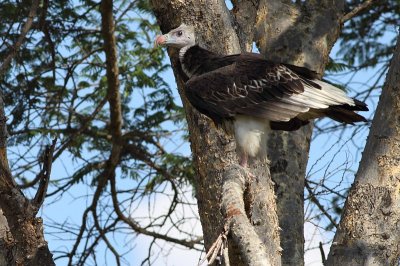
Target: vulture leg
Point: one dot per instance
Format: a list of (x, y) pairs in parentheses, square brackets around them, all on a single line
[(244, 163), (243, 159)]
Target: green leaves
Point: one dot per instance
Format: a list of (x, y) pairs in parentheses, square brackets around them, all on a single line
[(369, 38), (57, 85), (335, 67)]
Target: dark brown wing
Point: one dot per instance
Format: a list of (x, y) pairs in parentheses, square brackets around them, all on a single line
[(250, 86), (259, 88)]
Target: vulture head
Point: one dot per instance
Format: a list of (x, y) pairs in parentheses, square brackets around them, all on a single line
[(180, 37)]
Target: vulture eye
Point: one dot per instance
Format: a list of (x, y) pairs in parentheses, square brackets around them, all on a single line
[(179, 33)]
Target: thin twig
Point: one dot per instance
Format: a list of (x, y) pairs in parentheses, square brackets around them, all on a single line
[(319, 205), (140, 230), (217, 248), (357, 10), (321, 249), (44, 176)]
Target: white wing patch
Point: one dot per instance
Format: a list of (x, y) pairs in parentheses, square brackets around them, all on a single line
[(322, 98), (286, 108), (334, 93)]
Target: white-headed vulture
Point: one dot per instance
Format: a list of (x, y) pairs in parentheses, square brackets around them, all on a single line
[(248, 95)]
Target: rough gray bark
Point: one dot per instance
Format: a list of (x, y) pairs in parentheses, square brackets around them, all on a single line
[(301, 35), (4, 229), (214, 152), (251, 246), (21, 233), (369, 231), (289, 156)]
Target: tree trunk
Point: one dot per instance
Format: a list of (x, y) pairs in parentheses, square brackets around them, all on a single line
[(253, 238), (302, 36), (284, 32), (21, 234), (369, 231)]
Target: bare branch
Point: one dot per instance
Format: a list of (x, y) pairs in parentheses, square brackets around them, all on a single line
[(323, 257), (363, 6), (243, 233), (319, 205), (138, 229), (4, 167), (24, 228), (110, 49), (44, 176)]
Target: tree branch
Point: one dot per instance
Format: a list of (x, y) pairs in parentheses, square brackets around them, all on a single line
[(368, 232), (20, 41), (319, 205), (113, 95), (214, 150), (26, 243), (140, 230), (110, 49), (245, 13), (44, 176), (253, 250), (323, 257), (363, 6), (3, 142)]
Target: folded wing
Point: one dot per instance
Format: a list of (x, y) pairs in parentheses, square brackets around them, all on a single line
[(259, 88)]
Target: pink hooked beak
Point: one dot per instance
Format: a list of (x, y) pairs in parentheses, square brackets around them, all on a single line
[(160, 40)]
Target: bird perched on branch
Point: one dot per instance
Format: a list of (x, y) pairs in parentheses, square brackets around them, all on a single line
[(248, 95)]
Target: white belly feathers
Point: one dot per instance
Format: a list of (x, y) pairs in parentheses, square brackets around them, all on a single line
[(250, 134)]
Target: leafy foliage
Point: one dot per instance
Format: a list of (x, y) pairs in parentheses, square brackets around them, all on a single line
[(364, 39), (57, 87)]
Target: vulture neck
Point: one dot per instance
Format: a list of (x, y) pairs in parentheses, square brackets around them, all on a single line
[(196, 60)]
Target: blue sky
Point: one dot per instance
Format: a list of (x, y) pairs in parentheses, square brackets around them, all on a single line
[(323, 149), (71, 206)]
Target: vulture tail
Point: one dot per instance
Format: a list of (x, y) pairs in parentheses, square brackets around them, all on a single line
[(346, 113)]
